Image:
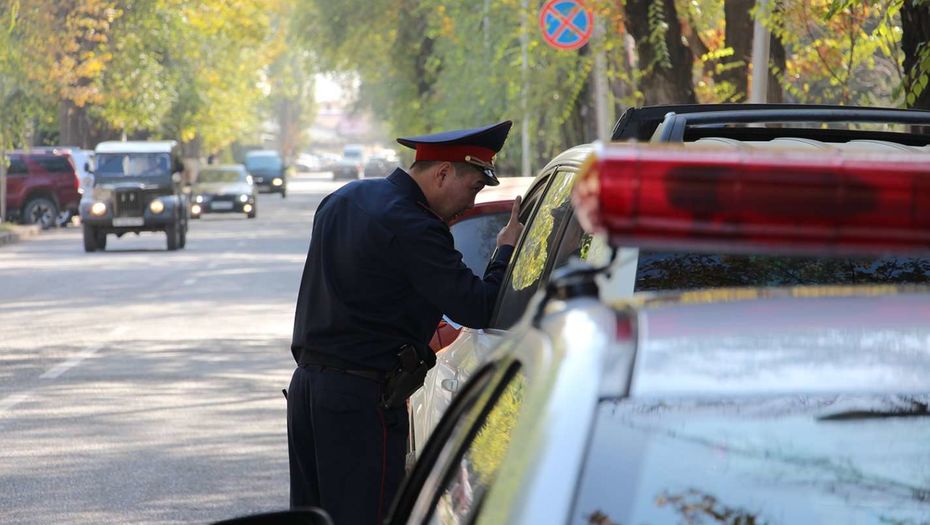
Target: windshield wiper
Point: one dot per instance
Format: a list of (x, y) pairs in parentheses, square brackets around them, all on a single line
[(913, 408)]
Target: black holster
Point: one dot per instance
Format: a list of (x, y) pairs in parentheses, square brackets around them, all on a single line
[(407, 376)]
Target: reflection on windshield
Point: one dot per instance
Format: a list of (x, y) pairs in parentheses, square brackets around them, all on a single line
[(768, 460), (209, 176), (133, 164)]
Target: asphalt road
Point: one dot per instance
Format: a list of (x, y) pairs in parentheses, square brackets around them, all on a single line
[(144, 386)]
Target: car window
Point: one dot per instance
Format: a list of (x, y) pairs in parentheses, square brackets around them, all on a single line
[(467, 482), (133, 164), (220, 176), (263, 162), (679, 271), (476, 238), (17, 166), (777, 461), (54, 163), (530, 264)]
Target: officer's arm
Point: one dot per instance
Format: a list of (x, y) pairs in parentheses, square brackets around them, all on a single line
[(435, 269)]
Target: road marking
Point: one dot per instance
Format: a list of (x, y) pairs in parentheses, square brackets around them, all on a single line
[(12, 400), (64, 366)]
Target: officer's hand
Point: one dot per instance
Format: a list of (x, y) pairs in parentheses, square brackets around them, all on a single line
[(512, 230)]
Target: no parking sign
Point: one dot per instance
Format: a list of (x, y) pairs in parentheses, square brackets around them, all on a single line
[(566, 24)]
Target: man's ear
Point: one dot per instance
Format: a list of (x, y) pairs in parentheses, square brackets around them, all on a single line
[(443, 172)]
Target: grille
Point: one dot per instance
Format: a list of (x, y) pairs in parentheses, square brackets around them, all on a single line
[(129, 203)]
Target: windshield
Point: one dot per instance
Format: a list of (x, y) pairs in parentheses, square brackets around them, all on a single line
[(263, 162), (208, 176), (681, 271), (772, 461), (133, 164)]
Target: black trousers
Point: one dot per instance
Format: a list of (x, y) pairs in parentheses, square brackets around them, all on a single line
[(346, 453)]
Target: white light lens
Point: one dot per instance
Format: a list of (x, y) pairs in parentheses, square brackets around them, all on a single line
[(277, 181), (198, 198), (157, 206), (247, 208), (98, 208), (243, 198), (195, 209)]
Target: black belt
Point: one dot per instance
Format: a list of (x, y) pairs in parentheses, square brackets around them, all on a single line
[(329, 364)]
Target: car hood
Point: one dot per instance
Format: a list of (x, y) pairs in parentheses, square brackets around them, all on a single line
[(222, 187), (141, 183)]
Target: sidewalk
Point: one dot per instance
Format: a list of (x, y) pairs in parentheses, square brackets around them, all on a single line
[(10, 233)]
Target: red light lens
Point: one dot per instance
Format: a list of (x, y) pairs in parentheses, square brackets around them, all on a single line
[(788, 201)]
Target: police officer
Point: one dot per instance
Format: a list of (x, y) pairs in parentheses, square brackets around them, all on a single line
[(380, 273)]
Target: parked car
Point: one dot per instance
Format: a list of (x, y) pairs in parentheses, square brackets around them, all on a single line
[(475, 235), (138, 186), (759, 404), (268, 171), (552, 234), (224, 189), (352, 163), (83, 161), (42, 188), (381, 164)]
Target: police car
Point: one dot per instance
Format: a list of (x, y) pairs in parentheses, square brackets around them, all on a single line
[(553, 234), (777, 405)]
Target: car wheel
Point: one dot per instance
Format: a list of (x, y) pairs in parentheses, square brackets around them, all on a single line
[(173, 232), (41, 211), (90, 239), (283, 193), (64, 218), (101, 239), (182, 236), (252, 213)]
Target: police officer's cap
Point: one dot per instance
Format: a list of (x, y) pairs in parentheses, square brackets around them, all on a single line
[(476, 146)]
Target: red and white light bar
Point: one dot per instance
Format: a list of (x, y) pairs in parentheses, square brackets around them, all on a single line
[(676, 197)]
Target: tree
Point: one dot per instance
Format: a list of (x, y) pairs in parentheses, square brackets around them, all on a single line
[(665, 62), (915, 43)]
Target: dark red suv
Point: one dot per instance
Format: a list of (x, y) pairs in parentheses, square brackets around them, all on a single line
[(41, 188)]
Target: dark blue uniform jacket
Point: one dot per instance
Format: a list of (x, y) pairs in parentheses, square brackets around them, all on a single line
[(381, 271)]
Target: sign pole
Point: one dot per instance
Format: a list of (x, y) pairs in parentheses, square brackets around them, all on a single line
[(527, 167)]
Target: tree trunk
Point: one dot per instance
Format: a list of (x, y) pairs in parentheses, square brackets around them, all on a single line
[(915, 23), (777, 62), (74, 126), (664, 60), (738, 36)]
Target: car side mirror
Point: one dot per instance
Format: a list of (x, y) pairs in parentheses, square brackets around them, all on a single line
[(88, 167), (176, 178)]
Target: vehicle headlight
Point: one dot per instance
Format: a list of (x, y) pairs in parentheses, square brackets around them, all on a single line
[(277, 181), (157, 206), (195, 209), (198, 198), (243, 198), (98, 209)]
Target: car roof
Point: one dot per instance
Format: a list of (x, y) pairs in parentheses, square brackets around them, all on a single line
[(136, 146), (223, 167)]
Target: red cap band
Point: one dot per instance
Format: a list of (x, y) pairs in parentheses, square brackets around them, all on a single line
[(453, 152)]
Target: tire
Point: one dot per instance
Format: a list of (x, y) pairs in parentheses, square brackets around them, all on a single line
[(64, 218), (101, 239), (41, 211), (90, 239), (283, 193), (253, 213), (182, 236), (174, 236)]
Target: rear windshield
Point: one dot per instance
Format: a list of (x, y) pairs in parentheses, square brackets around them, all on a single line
[(476, 238), (680, 271), (263, 162), (773, 461), (220, 176), (133, 164)]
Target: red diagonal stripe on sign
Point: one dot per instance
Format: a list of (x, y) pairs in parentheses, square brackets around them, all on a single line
[(566, 21)]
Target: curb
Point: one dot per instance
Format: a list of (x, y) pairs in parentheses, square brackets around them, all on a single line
[(19, 233)]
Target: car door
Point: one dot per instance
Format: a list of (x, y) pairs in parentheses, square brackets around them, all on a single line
[(548, 210)]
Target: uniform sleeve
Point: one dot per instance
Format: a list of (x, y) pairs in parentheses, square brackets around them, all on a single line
[(436, 271)]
